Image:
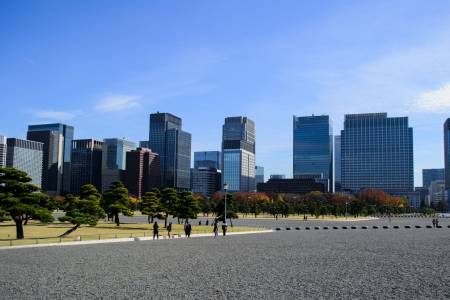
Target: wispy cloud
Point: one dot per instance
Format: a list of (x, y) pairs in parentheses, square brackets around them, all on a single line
[(54, 115), (436, 101), (117, 103)]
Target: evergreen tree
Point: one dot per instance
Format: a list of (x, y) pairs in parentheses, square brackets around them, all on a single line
[(20, 200), (219, 207), (168, 200), (151, 205), (116, 200), (85, 209), (187, 207)]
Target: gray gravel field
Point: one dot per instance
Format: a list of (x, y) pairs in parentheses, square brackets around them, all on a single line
[(316, 264)]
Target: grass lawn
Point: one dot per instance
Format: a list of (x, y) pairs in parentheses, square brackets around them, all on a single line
[(310, 218), (38, 233)]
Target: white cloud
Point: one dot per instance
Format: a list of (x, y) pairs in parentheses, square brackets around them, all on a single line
[(54, 115), (116, 103), (435, 100)]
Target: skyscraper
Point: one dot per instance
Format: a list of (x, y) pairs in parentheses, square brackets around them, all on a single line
[(238, 154), (173, 145), (114, 160), (57, 139), (337, 162), (142, 171), (86, 164), (429, 175), (207, 159), (447, 154), (377, 152), (144, 144), (206, 181), (259, 174), (2, 151), (26, 156), (313, 148)]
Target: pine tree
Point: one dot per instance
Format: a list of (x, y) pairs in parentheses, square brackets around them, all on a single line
[(116, 200), (151, 205), (168, 200), (187, 207)]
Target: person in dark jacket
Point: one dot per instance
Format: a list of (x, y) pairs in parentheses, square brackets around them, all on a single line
[(224, 229), (169, 229), (216, 230), (188, 230), (156, 230)]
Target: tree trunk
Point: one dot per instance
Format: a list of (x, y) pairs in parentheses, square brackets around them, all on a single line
[(165, 220), (116, 218), (19, 228), (231, 222), (70, 231), (26, 220)]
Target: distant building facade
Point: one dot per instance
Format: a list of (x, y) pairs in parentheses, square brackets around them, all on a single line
[(277, 176), (86, 164), (142, 171), (447, 155), (291, 186), (2, 151), (259, 174), (429, 175), (173, 145), (238, 154), (144, 144), (207, 159), (26, 156), (377, 152), (206, 181), (337, 163), (57, 150), (436, 193), (313, 148), (114, 160)]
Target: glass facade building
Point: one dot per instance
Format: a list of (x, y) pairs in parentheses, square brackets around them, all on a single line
[(173, 145), (259, 174), (2, 151), (337, 162), (114, 153), (26, 156), (86, 164), (377, 152), (238, 154), (313, 148), (206, 181), (447, 155), (57, 139), (207, 159), (429, 175)]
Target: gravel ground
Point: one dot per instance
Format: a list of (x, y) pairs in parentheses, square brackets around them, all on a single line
[(357, 264)]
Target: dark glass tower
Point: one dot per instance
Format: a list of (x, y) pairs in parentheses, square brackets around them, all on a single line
[(430, 175), (173, 145), (207, 159), (57, 139), (313, 149), (377, 152), (447, 156), (238, 151), (337, 163), (86, 164)]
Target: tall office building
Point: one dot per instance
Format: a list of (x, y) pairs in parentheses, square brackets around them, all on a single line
[(429, 175), (114, 160), (238, 154), (337, 163), (377, 152), (57, 139), (142, 171), (206, 181), (86, 164), (173, 145), (313, 148), (144, 144), (2, 151), (207, 159), (259, 174), (447, 154), (26, 156)]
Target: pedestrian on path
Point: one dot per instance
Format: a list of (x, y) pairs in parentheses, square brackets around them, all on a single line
[(169, 229), (216, 230), (437, 222), (188, 230), (224, 229), (434, 223), (156, 230)]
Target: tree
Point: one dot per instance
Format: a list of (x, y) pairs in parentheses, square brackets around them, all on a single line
[(20, 200), (85, 209), (187, 207), (151, 205), (219, 207), (116, 201), (168, 200)]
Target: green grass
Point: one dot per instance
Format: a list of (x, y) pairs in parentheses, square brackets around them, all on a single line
[(38, 233)]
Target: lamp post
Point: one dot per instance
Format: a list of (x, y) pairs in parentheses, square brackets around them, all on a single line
[(225, 188), (346, 204)]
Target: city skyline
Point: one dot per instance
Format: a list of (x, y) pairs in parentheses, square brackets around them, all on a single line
[(103, 78)]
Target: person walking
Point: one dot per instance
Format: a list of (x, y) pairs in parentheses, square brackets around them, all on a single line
[(188, 230), (156, 230), (434, 223), (207, 222), (224, 229), (437, 222), (185, 228), (216, 230), (169, 229)]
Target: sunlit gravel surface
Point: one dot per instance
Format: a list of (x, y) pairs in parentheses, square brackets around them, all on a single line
[(297, 264)]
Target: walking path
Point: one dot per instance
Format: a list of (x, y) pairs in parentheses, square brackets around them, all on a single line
[(121, 240)]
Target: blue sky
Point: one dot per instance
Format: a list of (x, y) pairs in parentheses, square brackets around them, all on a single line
[(104, 66)]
